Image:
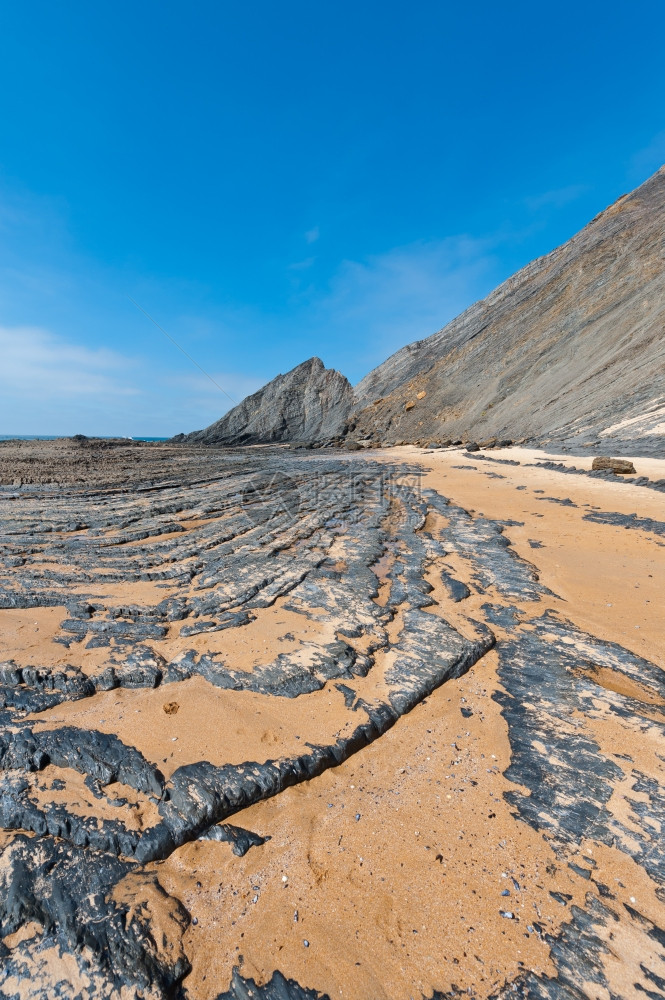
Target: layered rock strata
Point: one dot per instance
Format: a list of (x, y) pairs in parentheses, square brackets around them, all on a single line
[(180, 656), (309, 403)]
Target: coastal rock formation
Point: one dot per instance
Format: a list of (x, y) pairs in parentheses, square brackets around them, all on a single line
[(295, 726), (309, 403), (571, 349)]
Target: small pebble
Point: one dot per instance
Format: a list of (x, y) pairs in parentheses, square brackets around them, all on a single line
[(306, 943), (195, 920), (507, 914), (505, 892), (357, 817)]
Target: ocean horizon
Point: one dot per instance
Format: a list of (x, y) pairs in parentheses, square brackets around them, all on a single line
[(98, 437)]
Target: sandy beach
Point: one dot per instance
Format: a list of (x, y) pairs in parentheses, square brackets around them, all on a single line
[(431, 708)]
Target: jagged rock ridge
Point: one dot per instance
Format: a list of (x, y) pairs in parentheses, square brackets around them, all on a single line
[(308, 403)]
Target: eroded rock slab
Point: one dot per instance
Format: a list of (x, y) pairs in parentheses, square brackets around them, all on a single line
[(181, 664)]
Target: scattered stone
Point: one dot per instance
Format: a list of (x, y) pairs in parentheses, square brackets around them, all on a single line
[(240, 840), (455, 589)]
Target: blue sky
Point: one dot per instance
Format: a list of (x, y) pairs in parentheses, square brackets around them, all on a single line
[(272, 181)]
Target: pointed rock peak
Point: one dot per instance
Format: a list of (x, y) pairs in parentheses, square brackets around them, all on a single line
[(308, 403), (316, 364)]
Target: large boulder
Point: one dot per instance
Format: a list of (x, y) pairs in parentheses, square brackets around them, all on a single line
[(620, 466)]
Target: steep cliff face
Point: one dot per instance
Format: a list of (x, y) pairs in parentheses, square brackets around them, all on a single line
[(570, 349), (309, 403)]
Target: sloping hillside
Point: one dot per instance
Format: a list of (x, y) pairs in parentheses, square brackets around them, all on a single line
[(570, 349)]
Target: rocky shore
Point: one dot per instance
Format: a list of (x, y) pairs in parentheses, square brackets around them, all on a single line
[(288, 723)]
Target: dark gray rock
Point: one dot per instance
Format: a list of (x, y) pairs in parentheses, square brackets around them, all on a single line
[(69, 892), (456, 590), (267, 530), (307, 404), (241, 840), (277, 988)]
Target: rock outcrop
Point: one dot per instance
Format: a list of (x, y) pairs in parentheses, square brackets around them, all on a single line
[(435, 748), (568, 352), (571, 349), (621, 466), (309, 403)]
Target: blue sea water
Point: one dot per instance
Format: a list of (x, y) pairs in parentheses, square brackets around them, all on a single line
[(54, 437)]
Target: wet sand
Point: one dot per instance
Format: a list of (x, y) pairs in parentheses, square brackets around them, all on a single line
[(407, 898), (447, 855)]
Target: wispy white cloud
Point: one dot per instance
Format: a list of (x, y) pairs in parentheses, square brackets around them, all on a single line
[(556, 198), (302, 265), (57, 382), (199, 386), (407, 293), (38, 364), (52, 383), (49, 385)]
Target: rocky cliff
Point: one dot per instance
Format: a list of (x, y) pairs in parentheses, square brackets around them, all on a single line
[(309, 403), (570, 349)]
